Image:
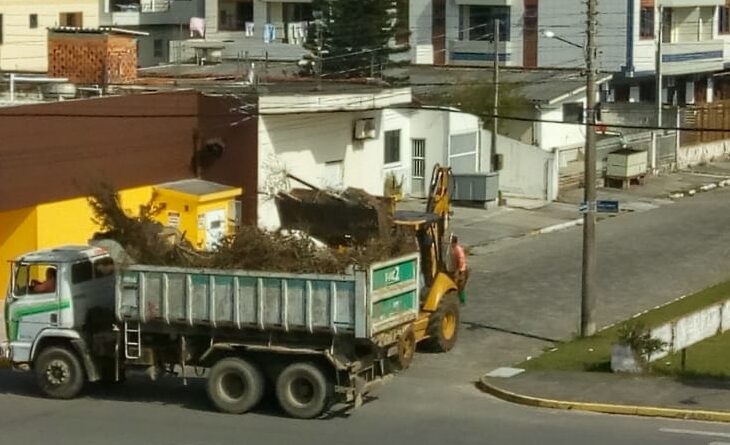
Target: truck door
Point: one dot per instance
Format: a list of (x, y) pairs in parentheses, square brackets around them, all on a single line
[(35, 302)]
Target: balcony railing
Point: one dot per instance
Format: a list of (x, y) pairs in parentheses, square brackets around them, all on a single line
[(142, 6)]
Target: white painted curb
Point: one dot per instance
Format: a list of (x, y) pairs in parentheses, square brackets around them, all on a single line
[(561, 226)]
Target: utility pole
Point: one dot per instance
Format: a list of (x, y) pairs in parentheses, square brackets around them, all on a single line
[(495, 108), (588, 289), (318, 65), (659, 83)]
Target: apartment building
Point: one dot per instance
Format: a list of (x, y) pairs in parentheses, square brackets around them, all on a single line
[(462, 31), (23, 29), (551, 33), (163, 20), (282, 21), (694, 38)]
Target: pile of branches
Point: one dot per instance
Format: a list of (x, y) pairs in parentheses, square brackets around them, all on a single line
[(147, 241)]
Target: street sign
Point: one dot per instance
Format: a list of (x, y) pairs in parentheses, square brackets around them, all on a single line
[(607, 206), (583, 207)]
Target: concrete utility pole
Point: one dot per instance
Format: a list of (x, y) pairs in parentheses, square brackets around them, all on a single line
[(588, 289), (495, 108), (659, 84), (320, 44)]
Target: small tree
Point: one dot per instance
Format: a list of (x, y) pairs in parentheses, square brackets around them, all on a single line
[(478, 99), (355, 36)]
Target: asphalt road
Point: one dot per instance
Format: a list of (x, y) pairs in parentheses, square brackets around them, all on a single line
[(523, 293)]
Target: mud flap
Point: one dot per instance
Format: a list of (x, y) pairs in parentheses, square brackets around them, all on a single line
[(92, 373)]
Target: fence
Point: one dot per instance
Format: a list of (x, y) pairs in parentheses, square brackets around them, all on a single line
[(685, 331), (714, 115), (666, 147)]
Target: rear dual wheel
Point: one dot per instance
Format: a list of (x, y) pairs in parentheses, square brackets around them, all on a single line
[(303, 390), (235, 385)]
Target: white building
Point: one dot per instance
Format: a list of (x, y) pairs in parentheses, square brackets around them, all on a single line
[(23, 25), (359, 139), (163, 20)]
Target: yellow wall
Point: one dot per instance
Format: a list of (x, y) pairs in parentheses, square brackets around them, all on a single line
[(53, 224), (17, 236), (188, 224), (71, 222), (25, 48)]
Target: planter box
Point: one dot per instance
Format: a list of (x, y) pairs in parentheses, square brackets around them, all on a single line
[(626, 164)]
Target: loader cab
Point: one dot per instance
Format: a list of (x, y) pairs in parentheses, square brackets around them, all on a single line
[(54, 290), (427, 230)]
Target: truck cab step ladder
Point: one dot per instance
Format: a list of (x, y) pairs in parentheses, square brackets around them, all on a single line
[(132, 340)]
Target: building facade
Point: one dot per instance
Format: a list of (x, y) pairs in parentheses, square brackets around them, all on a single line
[(23, 25), (551, 34), (163, 20)]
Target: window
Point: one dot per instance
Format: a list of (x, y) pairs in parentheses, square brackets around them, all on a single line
[(392, 146), (646, 23), (71, 19), (477, 22), (34, 279), (81, 272), (724, 27), (573, 112), (419, 158), (158, 51), (33, 21)]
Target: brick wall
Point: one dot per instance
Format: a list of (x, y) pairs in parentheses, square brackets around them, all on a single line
[(85, 57)]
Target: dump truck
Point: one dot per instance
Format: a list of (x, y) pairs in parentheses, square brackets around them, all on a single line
[(316, 339)]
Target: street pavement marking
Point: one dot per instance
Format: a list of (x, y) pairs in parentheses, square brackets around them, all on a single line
[(694, 432)]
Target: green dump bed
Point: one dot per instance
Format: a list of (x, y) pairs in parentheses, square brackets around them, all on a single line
[(362, 303)]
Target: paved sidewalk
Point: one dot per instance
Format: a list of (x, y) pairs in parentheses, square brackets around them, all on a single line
[(614, 389)]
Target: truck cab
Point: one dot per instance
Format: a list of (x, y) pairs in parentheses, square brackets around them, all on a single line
[(53, 297)]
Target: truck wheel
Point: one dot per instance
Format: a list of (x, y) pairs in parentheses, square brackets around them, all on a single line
[(443, 328), (235, 386), (59, 373), (406, 349), (303, 390)]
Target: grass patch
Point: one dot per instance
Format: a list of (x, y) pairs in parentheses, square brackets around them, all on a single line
[(706, 359), (594, 353)]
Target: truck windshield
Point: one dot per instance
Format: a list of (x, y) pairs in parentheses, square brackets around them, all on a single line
[(36, 278)]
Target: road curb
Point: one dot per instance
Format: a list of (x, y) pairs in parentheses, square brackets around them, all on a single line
[(560, 226), (703, 188), (605, 408)]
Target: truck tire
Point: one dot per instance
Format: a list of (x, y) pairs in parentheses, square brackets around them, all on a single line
[(303, 390), (235, 385), (59, 373), (443, 327)]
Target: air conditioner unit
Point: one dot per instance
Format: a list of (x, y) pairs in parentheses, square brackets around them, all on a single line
[(364, 129)]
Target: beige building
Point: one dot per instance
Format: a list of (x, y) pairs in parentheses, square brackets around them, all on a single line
[(23, 29)]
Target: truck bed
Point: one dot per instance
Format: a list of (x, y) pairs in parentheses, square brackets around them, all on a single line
[(362, 303)]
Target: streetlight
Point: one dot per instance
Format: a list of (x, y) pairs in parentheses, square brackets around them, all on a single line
[(551, 35), (588, 286)]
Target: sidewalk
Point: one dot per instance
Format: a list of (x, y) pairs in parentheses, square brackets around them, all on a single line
[(479, 227), (616, 394)]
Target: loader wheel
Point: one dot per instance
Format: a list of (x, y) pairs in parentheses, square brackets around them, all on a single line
[(406, 349), (59, 373), (235, 385), (303, 390), (443, 328)]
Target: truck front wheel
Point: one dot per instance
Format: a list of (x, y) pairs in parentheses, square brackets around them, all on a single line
[(303, 390), (235, 386), (59, 373)]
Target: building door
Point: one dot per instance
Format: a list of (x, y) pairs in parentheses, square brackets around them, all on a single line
[(215, 227), (418, 167)]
